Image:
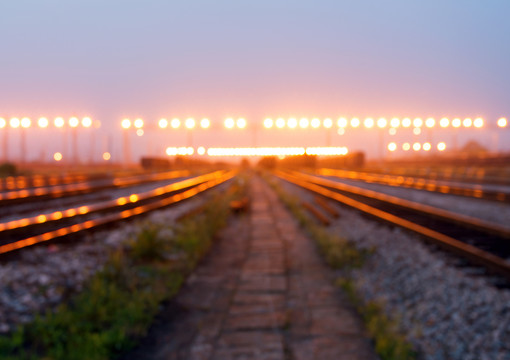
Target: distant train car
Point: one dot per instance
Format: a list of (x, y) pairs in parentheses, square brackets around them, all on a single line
[(152, 163)]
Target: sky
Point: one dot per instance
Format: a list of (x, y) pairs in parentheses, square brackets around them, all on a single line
[(267, 58)]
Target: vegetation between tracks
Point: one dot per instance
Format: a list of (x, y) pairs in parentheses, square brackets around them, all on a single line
[(120, 301), (339, 253)]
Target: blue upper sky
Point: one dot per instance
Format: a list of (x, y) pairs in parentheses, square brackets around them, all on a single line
[(261, 58)]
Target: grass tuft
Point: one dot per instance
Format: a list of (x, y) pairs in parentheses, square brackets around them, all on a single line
[(119, 302), (340, 253)]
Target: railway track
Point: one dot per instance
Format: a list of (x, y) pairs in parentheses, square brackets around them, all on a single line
[(479, 242), (28, 195), (18, 234), (479, 191)]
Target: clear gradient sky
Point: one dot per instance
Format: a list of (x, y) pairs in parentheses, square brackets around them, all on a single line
[(111, 59)]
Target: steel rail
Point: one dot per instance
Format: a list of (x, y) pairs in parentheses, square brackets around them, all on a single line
[(470, 252), (191, 188), (474, 191), (25, 195)]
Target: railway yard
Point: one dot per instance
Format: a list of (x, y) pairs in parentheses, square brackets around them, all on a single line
[(309, 263)]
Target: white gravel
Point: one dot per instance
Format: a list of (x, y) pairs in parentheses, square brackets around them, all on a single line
[(444, 312), (44, 276), (486, 210)]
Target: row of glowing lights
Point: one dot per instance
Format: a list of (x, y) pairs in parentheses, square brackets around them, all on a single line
[(392, 146), (315, 123), (258, 151), (43, 122)]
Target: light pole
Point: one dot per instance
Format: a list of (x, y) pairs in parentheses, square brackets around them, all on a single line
[(3, 126), (15, 123), (59, 124), (43, 123), (126, 124)]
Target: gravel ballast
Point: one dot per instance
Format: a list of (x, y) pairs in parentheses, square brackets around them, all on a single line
[(443, 311)]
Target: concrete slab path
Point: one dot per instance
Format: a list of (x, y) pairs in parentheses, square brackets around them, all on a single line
[(262, 293)]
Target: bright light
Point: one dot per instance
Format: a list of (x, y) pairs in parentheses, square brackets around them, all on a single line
[(478, 123), (441, 146), (416, 146), (328, 123), (229, 123), (175, 123), (417, 131), (280, 123), (139, 132), (444, 122), (502, 122), (277, 151), (392, 146), (174, 151), (381, 123), (86, 122), (406, 122), (43, 122), (303, 123), (418, 122), (57, 156), (315, 123), (355, 122), (3, 123), (326, 151), (74, 122), (241, 123), (59, 122), (342, 122), (138, 123), (268, 123), (368, 123), (467, 122), (395, 123), (205, 123), (201, 150), (163, 123), (427, 146), (406, 146), (189, 123), (106, 156), (26, 122), (14, 123), (292, 123), (456, 122), (340, 131), (430, 122), (392, 131), (126, 123)]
